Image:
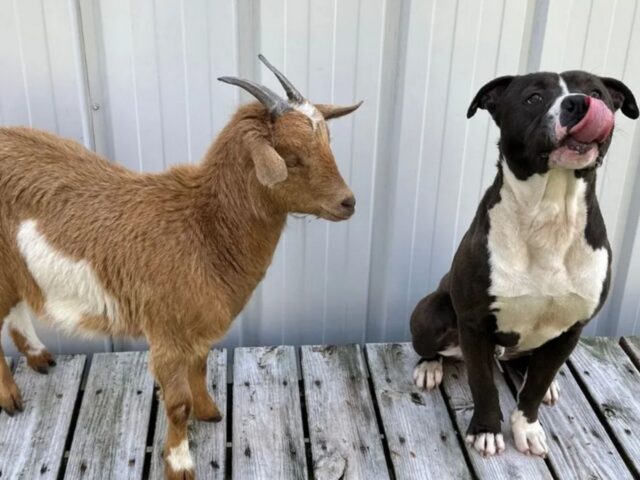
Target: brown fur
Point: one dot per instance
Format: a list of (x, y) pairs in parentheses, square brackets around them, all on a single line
[(40, 362), (180, 251)]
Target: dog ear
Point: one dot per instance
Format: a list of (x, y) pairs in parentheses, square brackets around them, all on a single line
[(270, 166), (622, 97), (488, 96)]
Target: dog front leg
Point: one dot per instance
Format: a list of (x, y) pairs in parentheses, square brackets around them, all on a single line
[(544, 363), (478, 351)]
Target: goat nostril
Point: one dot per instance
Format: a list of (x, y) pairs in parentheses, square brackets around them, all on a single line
[(349, 202)]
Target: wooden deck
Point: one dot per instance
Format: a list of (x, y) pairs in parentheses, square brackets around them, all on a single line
[(322, 412)]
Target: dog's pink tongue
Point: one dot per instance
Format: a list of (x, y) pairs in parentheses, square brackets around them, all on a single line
[(596, 125)]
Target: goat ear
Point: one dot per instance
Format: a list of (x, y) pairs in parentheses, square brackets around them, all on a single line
[(335, 111), (622, 97), (488, 96), (270, 166)]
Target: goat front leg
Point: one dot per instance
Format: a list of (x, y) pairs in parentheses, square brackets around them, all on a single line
[(544, 363), (10, 397), (478, 349), (172, 375), (204, 407)]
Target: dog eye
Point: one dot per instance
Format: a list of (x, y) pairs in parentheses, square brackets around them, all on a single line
[(596, 94), (533, 99)]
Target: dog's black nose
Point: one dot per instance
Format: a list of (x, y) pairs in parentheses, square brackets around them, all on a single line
[(572, 109)]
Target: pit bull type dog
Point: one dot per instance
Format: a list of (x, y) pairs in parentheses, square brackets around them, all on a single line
[(534, 266)]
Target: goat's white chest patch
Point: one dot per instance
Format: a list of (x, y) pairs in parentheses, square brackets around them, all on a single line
[(70, 288), (545, 277)]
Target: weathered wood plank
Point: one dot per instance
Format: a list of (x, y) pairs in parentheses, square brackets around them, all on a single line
[(32, 442), (111, 433), (421, 436), (613, 383), (344, 435), (207, 440), (510, 464), (632, 346), (579, 446), (268, 438)]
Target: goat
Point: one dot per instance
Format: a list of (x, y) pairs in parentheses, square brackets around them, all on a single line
[(90, 246)]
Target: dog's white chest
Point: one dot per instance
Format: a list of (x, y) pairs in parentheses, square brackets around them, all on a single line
[(545, 277), (70, 288)]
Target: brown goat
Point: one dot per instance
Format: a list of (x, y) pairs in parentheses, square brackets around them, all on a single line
[(92, 247)]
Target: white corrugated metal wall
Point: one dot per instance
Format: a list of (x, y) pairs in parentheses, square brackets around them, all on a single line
[(136, 81)]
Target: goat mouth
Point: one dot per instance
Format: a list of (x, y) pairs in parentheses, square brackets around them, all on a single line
[(335, 216)]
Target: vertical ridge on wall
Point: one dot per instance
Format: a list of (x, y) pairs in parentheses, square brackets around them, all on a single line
[(41, 86), (436, 140)]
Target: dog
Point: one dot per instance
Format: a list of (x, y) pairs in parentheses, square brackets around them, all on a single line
[(534, 266)]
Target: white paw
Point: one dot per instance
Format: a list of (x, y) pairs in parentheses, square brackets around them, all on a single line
[(487, 444), (428, 374), (528, 437), (553, 394)]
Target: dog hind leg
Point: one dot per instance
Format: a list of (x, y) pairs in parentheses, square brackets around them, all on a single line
[(434, 334)]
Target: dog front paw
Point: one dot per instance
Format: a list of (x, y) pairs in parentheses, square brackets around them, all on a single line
[(529, 437), (428, 373), (486, 444)]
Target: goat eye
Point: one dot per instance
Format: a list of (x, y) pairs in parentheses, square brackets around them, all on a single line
[(292, 161), (596, 94), (533, 99)]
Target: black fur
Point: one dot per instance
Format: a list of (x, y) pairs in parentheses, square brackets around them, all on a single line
[(461, 306)]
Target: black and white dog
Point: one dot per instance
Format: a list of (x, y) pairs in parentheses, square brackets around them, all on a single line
[(534, 266)]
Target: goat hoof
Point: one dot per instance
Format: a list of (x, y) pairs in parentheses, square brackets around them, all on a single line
[(215, 418), (208, 414), (206, 410), (179, 475), (41, 362), (10, 399)]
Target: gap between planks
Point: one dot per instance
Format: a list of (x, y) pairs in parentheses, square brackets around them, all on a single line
[(380, 422), (609, 379)]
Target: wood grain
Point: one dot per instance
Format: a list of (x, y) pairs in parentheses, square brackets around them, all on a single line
[(268, 438), (579, 446), (32, 442), (422, 439), (343, 430), (111, 433), (632, 346), (613, 383), (207, 440), (511, 463)]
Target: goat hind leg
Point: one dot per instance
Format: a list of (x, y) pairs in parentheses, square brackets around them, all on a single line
[(204, 407), (26, 340), (173, 379)]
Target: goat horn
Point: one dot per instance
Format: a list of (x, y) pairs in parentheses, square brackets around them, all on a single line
[(292, 92), (274, 104)]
